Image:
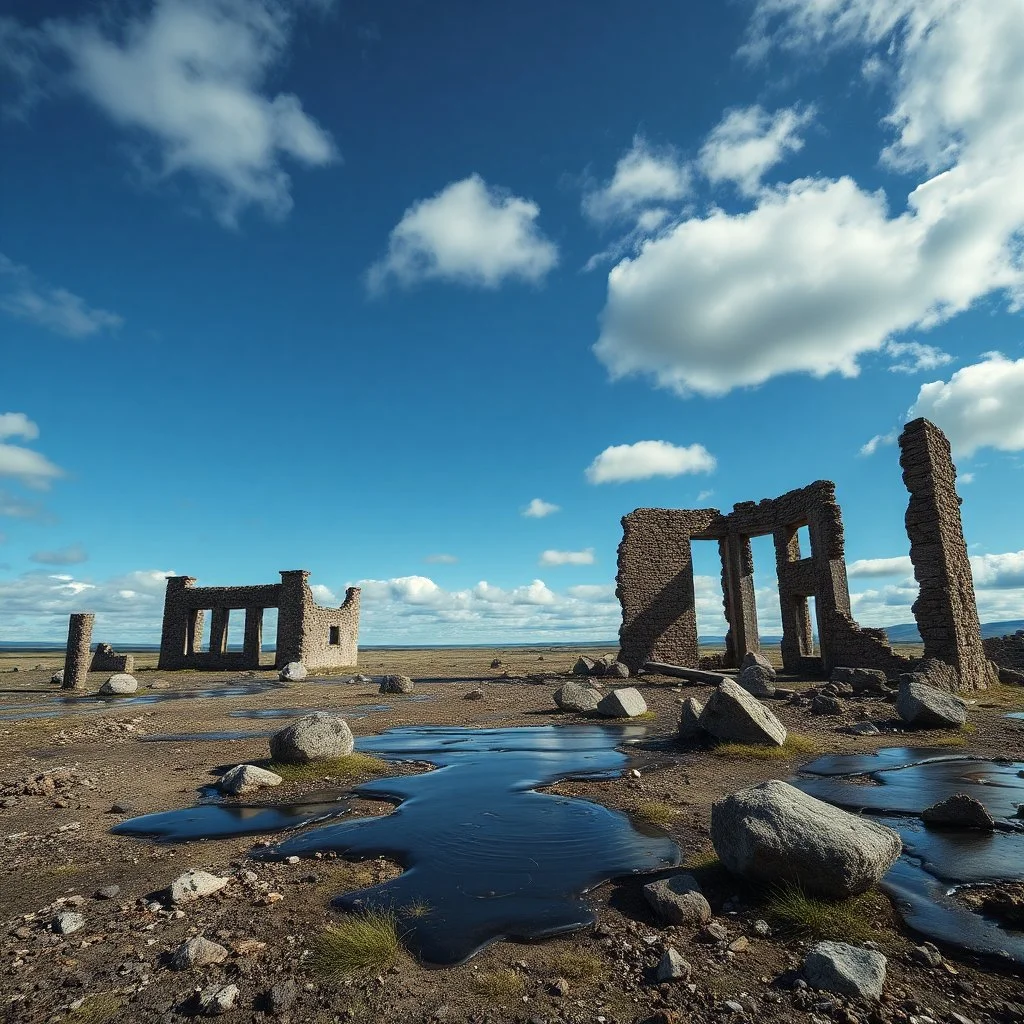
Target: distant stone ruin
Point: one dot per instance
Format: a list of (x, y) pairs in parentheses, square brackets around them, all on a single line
[(655, 577), (106, 659), (318, 637)]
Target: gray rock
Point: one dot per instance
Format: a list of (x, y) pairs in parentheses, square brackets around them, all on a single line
[(108, 892), (960, 810), (476, 694), (583, 666), (734, 716), (293, 672), (1010, 676), (925, 707), (927, 954), (575, 697), (193, 885), (774, 833), (282, 997), (602, 664), (672, 967), (317, 737), (67, 922), (120, 683), (159, 684), (217, 999), (58, 677), (752, 658), (396, 684), (756, 680), (678, 900), (845, 969), (689, 718), (626, 702), (861, 679), (616, 670), (826, 704), (197, 952), (244, 778), (864, 729)]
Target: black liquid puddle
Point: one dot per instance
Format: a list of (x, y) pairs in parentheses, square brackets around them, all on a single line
[(485, 856), (896, 785)]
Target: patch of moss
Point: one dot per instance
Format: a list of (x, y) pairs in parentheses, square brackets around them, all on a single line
[(98, 1008), (577, 965), (353, 766), (796, 745), (655, 812)]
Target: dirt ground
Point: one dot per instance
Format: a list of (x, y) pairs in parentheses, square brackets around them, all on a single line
[(56, 852)]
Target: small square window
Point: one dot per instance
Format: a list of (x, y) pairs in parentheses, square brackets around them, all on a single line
[(334, 636)]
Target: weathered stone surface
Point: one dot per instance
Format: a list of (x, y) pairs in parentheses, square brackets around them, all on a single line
[(120, 683), (864, 729), (217, 999), (757, 680), (108, 892), (575, 697), (1011, 677), (617, 670), (672, 967), (293, 672), (106, 659), (194, 884), (197, 952), (602, 664), (678, 900), (861, 679), (320, 736), (77, 656), (396, 684), (689, 718), (734, 716), (583, 667), (826, 704), (58, 677), (476, 694), (961, 810), (925, 707), (626, 702), (67, 922), (752, 658), (774, 833), (244, 778), (845, 969)]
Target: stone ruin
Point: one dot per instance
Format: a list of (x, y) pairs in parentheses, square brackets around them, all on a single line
[(318, 637), (76, 654), (655, 578), (106, 659)]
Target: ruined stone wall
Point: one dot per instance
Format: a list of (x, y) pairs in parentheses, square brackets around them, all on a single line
[(1006, 651), (318, 637), (76, 656), (106, 659), (945, 610), (655, 585)]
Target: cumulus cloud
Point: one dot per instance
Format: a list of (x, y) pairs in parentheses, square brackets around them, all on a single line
[(749, 141), (819, 271), (980, 405), (538, 509), (186, 81), (468, 233), (999, 572), (552, 557), (23, 464), (643, 176), (71, 555), (899, 565), (646, 459), (441, 559), (56, 309)]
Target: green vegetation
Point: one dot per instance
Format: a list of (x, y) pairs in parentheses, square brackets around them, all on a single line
[(655, 812), (796, 745), (848, 920), (362, 942), (353, 766), (577, 965), (96, 1009), (704, 861), (503, 985), (416, 909)]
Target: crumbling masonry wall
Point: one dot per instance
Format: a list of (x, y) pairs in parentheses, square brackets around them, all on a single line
[(106, 659), (318, 637), (76, 655)]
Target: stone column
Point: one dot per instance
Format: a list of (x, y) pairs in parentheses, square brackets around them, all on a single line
[(175, 637), (253, 636), (738, 590), (219, 630), (77, 656)]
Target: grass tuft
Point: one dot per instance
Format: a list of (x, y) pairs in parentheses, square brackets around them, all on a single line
[(655, 812), (98, 1008), (849, 920), (502, 985), (796, 745), (705, 861), (416, 909), (577, 965), (353, 766), (360, 943)]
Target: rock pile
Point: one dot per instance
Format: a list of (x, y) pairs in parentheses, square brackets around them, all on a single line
[(606, 665)]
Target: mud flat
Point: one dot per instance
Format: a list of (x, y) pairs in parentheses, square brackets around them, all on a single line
[(67, 780)]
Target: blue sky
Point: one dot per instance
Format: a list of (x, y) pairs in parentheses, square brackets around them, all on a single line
[(426, 296)]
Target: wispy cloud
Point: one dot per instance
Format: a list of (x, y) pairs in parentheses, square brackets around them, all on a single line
[(441, 559), (552, 557), (75, 554), (876, 442)]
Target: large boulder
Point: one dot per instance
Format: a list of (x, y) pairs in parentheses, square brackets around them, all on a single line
[(396, 684), (118, 684), (244, 778), (752, 658), (925, 707), (689, 718), (757, 680), (317, 737), (617, 670), (602, 664), (194, 884), (625, 702), (776, 834), (678, 900), (845, 969), (583, 667), (734, 716), (293, 672), (574, 697), (960, 811)]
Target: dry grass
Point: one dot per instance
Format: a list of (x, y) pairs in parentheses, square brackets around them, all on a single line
[(504, 985), (416, 909), (577, 965), (355, 766), (796, 745), (849, 920), (655, 812), (360, 943)]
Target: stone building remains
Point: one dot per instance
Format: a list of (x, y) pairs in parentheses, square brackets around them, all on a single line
[(318, 637), (106, 659), (655, 576), (76, 655)]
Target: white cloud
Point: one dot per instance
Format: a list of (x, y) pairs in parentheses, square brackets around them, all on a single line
[(818, 272), (18, 508), (17, 424), (899, 565), (593, 591), (186, 80), (27, 466), (999, 572), (980, 405), (441, 559), (324, 596), (72, 555), (912, 356), (644, 175), (749, 141), (646, 459), (966, 478), (56, 309), (468, 233), (704, 495), (876, 442), (552, 557), (538, 509)]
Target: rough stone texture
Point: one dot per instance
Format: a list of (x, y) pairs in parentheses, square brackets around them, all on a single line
[(734, 716), (293, 672), (76, 656), (678, 900), (396, 684), (120, 683), (217, 999), (307, 633), (861, 679), (583, 667), (626, 702), (756, 680), (197, 952), (928, 708), (845, 969), (774, 833), (960, 810), (106, 659), (757, 658), (689, 718), (68, 922), (317, 737), (672, 967), (58, 677), (617, 670), (575, 697), (194, 884), (945, 609), (244, 778), (1006, 651)]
